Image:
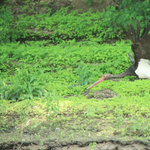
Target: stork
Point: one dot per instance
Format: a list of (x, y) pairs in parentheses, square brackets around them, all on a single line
[(141, 52)]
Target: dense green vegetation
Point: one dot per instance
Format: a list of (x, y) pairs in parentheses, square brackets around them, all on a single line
[(47, 78), (61, 25), (28, 69), (43, 76)]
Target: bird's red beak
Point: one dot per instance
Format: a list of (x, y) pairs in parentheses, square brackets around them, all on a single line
[(100, 80)]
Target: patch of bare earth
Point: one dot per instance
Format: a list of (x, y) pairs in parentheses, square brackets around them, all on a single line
[(82, 144), (103, 94)]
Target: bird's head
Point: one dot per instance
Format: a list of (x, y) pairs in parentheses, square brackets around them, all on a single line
[(104, 77)]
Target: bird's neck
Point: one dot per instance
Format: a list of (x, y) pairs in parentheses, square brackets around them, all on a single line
[(129, 72), (121, 75)]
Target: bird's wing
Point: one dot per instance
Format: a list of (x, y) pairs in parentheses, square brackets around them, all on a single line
[(147, 74), (130, 57), (140, 44)]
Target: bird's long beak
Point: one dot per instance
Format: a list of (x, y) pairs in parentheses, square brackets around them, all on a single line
[(100, 80)]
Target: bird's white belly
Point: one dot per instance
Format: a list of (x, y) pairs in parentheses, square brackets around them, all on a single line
[(143, 69)]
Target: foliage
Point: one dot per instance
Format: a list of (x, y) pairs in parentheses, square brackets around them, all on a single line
[(26, 84), (93, 145), (89, 2), (127, 11), (43, 78), (6, 22), (62, 25), (29, 69), (33, 71)]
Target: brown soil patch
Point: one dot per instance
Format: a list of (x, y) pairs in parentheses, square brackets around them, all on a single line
[(103, 94), (82, 144), (95, 5)]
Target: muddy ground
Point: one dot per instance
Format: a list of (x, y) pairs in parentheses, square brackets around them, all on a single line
[(80, 143), (71, 139), (83, 144)]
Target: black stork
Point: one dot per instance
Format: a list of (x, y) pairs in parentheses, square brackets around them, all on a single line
[(141, 52)]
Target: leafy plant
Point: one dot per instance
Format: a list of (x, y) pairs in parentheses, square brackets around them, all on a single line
[(6, 22), (85, 75), (24, 85), (93, 145), (126, 13), (89, 2)]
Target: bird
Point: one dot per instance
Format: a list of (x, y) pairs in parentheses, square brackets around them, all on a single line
[(141, 55)]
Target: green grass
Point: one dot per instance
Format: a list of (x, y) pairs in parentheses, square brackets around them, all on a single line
[(29, 68), (48, 82)]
